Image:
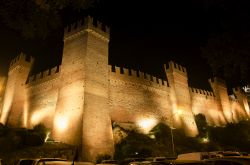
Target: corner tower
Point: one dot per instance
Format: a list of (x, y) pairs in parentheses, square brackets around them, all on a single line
[(182, 115), (220, 91), (14, 112), (82, 113)]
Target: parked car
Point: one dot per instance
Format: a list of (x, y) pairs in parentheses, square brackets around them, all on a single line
[(195, 156), (156, 159), (227, 153), (140, 163), (129, 160), (67, 163), (171, 162), (230, 161), (38, 161), (189, 162), (108, 162)]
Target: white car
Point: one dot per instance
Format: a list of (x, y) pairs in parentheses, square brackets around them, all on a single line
[(67, 163), (38, 161), (108, 162)]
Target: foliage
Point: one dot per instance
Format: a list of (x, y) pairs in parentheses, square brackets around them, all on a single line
[(231, 137), (40, 128), (225, 54), (37, 17), (102, 157), (202, 125), (16, 138), (227, 50), (134, 145), (1, 125), (234, 136), (140, 145)]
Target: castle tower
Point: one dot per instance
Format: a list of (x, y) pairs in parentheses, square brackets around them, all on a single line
[(182, 115), (220, 91), (242, 98), (14, 111), (2, 90), (83, 92)]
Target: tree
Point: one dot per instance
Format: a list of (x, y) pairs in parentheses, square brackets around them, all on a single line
[(229, 57), (234, 136), (134, 145), (227, 50), (202, 125), (37, 18)]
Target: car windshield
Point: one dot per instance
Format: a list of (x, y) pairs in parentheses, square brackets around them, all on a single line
[(109, 161), (26, 162), (231, 154)]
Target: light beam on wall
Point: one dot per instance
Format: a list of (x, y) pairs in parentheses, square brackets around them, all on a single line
[(146, 124), (61, 123), (38, 116)]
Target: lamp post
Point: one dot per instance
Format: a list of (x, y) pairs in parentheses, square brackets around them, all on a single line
[(172, 140), (179, 112)]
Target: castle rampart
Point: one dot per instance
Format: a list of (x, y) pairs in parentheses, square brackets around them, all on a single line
[(2, 90), (42, 98), (44, 76), (138, 77), (15, 99), (88, 25), (81, 98), (135, 95), (21, 60)]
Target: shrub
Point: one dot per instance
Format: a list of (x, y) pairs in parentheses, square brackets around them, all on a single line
[(102, 157)]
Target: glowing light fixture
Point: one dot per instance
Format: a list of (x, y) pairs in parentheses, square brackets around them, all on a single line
[(147, 124), (179, 112), (205, 140), (61, 123)]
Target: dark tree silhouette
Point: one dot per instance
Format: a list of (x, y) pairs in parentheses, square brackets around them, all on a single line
[(202, 125), (227, 50), (37, 18)]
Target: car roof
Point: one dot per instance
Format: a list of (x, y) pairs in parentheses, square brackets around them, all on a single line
[(67, 163), (42, 159), (239, 159)]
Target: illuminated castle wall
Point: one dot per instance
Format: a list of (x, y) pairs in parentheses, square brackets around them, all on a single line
[(2, 90), (81, 98)]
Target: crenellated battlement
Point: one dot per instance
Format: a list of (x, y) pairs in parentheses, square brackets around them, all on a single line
[(21, 59), (177, 68), (233, 100), (218, 81), (238, 89), (87, 25), (137, 74), (201, 91), (45, 75)]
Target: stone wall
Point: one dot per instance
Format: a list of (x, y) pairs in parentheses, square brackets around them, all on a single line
[(14, 111), (136, 95), (42, 93), (2, 90), (206, 103), (80, 99)]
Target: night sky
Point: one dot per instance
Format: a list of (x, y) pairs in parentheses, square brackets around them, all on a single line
[(144, 35)]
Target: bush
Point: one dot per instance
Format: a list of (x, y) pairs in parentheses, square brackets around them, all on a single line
[(102, 157)]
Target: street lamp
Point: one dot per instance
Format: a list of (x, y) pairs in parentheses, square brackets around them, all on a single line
[(179, 112), (172, 140)]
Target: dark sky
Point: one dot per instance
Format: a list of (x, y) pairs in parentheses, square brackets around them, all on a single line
[(144, 35)]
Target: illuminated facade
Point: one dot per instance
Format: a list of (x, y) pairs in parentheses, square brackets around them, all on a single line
[(81, 98), (2, 89)]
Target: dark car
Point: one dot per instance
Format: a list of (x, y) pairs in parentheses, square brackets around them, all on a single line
[(235, 160)]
